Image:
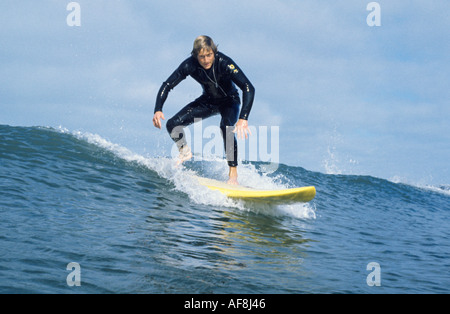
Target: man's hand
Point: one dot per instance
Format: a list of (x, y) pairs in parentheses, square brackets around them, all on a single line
[(242, 129), (157, 119)]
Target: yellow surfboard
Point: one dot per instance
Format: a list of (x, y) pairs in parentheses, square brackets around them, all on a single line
[(300, 194)]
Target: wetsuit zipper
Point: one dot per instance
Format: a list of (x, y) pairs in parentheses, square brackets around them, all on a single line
[(215, 80)]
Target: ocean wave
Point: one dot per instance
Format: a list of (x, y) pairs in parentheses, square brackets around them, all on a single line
[(75, 196), (182, 177)]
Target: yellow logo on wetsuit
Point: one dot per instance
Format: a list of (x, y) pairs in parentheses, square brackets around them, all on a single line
[(233, 68)]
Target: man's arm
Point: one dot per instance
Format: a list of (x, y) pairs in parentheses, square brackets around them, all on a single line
[(248, 95), (248, 91), (179, 75)]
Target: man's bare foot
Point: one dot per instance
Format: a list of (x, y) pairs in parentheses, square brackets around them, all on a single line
[(233, 176), (185, 155)]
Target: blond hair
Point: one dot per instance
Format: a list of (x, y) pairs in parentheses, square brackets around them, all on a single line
[(203, 42)]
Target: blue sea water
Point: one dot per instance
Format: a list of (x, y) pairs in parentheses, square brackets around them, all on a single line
[(137, 224)]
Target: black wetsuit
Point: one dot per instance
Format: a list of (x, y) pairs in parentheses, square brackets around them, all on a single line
[(220, 96)]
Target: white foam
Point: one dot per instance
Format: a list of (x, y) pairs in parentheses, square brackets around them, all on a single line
[(442, 189), (183, 179)]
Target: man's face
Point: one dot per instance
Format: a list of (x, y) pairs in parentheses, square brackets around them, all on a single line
[(206, 58)]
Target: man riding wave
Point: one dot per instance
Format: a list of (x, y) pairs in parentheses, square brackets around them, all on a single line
[(218, 75)]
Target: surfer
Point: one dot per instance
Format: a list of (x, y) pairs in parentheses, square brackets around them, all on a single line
[(218, 75)]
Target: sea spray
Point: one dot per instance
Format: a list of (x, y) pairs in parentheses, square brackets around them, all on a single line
[(182, 178)]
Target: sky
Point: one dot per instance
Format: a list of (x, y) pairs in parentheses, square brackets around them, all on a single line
[(346, 97)]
